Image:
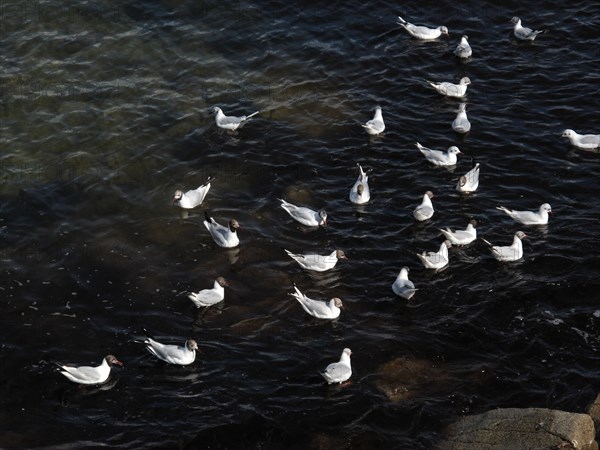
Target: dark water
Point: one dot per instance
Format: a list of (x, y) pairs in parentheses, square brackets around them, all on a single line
[(105, 112)]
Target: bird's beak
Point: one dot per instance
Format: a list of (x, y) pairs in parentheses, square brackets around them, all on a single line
[(118, 363)]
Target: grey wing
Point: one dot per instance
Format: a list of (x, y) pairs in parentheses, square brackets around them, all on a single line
[(337, 371)]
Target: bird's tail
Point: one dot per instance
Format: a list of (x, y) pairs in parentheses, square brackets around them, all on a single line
[(251, 115), (503, 208), (488, 243), (401, 21)]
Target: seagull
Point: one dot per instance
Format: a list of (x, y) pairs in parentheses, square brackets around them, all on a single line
[(172, 354), (88, 374), (469, 182), (438, 157), (425, 210), (376, 125), (529, 217), (461, 237), (318, 263), (193, 198), (208, 297), (587, 141), (403, 287), (225, 237), (461, 124), (450, 89), (360, 194), (421, 32), (230, 123), (436, 260), (463, 49), (318, 308), (524, 33), (340, 371), (305, 216), (512, 252)]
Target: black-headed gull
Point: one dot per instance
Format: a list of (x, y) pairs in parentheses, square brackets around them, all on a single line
[(90, 374), (511, 252), (360, 193), (524, 33), (172, 354), (539, 217), (425, 210), (230, 123), (439, 157), (422, 32), (461, 123), (225, 237), (436, 260), (450, 89), (192, 198), (318, 308), (318, 263), (585, 141), (376, 125), (463, 49), (340, 371), (461, 237), (469, 182), (305, 216), (403, 287), (208, 297)]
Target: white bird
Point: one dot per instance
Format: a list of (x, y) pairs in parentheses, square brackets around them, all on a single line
[(586, 141), (511, 252), (340, 371), (318, 263), (539, 217), (439, 157), (376, 125), (436, 260), (422, 32), (463, 49), (360, 193), (450, 89), (208, 297), (305, 216), (225, 237), (425, 210), (469, 182), (230, 123), (461, 237), (90, 374), (192, 198), (461, 123), (172, 354), (524, 33), (403, 287), (318, 308)]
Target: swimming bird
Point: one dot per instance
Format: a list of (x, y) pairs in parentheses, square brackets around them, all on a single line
[(340, 371), (305, 216), (230, 123), (318, 263), (225, 237), (403, 287), (539, 217), (469, 182), (463, 49), (450, 89), (436, 260), (318, 308), (461, 123), (461, 237), (511, 252), (172, 354), (376, 125), (422, 32), (524, 33), (360, 193), (425, 210), (192, 198), (586, 141), (439, 157), (209, 297), (90, 374)]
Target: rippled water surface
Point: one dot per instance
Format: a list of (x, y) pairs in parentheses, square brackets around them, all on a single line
[(105, 112)]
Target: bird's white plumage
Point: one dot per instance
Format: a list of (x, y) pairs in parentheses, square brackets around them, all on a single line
[(402, 286), (539, 217), (469, 182), (436, 260), (360, 193), (318, 308), (439, 157), (192, 198), (451, 89), (316, 262), (90, 374), (463, 49), (340, 371), (524, 33), (376, 125), (230, 123), (585, 141), (182, 355), (425, 210), (461, 237), (208, 297), (461, 123), (305, 216), (224, 236), (422, 32), (508, 253)]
